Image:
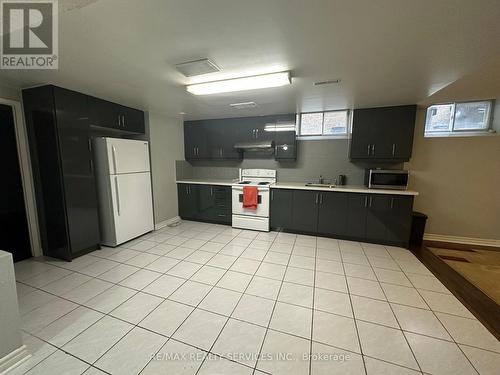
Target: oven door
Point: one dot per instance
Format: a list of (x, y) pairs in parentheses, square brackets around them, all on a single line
[(262, 203)]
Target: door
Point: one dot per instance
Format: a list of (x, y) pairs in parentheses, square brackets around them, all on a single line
[(195, 140), (80, 195), (332, 214), (206, 203), (14, 232), (132, 205), (376, 217), (103, 113), (402, 129), (188, 201), (229, 137), (356, 215), (305, 211), (285, 145), (281, 208), (127, 156), (362, 135), (399, 220), (132, 120)]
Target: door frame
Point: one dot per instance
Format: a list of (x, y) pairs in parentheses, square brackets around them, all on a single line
[(23, 155)]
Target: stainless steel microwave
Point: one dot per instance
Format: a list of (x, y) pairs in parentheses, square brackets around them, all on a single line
[(386, 179)]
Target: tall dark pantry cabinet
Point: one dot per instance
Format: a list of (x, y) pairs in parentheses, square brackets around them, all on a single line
[(58, 127)]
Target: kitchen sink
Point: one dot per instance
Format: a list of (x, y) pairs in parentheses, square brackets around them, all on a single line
[(314, 184)]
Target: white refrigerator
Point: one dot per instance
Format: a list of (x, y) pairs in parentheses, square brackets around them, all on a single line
[(124, 189)]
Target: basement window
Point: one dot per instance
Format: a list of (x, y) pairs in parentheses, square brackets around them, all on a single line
[(459, 119), (323, 125)]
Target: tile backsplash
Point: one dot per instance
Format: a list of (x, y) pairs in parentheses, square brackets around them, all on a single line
[(328, 158)]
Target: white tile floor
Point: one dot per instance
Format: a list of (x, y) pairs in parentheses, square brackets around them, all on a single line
[(208, 299)]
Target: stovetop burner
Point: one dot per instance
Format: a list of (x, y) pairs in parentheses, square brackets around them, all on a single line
[(264, 183), (244, 183)]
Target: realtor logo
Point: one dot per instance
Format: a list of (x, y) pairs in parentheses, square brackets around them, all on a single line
[(29, 34)]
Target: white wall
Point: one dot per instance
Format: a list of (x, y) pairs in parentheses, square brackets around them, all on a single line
[(10, 322), (167, 145), (458, 180)]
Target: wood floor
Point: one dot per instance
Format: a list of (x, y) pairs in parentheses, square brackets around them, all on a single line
[(480, 267), (472, 274)]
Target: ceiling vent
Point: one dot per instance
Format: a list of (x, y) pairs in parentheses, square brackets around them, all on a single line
[(197, 67), (69, 5), (243, 105), (328, 82)]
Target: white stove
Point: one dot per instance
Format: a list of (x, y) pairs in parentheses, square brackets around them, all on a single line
[(254, 219)]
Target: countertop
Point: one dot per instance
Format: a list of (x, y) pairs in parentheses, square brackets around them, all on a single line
[(345, 189), (212, 181), (301, 186)]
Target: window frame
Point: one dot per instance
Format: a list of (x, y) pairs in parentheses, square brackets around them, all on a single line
[(321, 136), (461, 132)]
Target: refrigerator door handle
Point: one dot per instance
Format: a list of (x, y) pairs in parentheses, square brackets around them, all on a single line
[(113, 152), (117, 196)]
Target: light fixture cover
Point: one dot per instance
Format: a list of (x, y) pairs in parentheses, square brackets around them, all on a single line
[(241, 84)]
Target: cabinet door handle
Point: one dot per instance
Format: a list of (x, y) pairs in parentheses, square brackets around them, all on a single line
[(90, 144), (272, 195), (373, 150), (119, 121), (118, 209), (316, 199), (113, 153), (368, 150), (371, 200), (393, 149), (123, 120), (392, 203), (211, 190), (321, 198), (366, 200), (257, 133)]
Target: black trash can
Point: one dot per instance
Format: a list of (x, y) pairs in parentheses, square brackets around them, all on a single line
[(417, 229)]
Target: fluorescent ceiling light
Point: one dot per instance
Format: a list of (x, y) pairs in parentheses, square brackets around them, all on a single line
[(241, 84), (282, 127)]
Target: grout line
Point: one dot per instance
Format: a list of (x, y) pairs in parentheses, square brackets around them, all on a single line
[(397, 321), (313, 308), (354, 318), (272, 312), (446, 329), (230, 315), (212, 286)]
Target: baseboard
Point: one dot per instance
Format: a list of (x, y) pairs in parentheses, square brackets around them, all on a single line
[(14, 359), (164, 223), (462, 240)]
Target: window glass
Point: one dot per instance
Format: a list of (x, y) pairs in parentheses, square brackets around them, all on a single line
[(445, 120), (471, 116), (335, 123), (439, 118), (311, 123)]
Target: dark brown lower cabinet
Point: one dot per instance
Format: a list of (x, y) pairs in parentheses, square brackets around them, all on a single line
[(210, 203), (378, 218)]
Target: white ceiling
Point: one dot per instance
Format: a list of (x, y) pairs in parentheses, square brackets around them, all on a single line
[(385, 52)]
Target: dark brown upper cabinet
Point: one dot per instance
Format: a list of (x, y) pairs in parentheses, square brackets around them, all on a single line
[(215, 139), (383, 134)]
